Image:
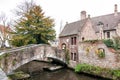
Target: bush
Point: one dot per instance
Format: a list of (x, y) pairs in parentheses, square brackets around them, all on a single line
[(87, 68), (116, 43), (116, 73), (95, 70), (108, 43)]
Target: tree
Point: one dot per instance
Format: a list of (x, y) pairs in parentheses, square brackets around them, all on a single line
[(4, 34), (33, 27)]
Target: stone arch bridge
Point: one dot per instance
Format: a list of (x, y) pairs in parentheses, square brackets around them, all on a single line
[(14, 58)]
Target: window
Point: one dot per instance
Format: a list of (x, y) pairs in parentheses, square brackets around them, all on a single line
[(75, 57), (108, 34), (75, 40), (71, 56), (100, 23), (63, 46), (83, 38), (72, 41)]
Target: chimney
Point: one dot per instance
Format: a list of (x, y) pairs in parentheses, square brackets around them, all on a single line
[(115, 10), (83, 15), (66, 23), (89, 16)]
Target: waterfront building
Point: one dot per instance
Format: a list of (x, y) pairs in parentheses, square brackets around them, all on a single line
[(89, 28)]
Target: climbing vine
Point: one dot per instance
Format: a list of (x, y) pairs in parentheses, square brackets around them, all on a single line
[(100, 53), (67, 57), (87, 50)]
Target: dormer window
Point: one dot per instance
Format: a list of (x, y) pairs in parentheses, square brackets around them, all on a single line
[(100, 23)]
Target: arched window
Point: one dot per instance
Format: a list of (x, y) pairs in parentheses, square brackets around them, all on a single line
[(101, 49), (100, 23), (63, 46), (101, 53)]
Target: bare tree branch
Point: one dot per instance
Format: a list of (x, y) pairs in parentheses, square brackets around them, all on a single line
[(24, 8), (4, 27)]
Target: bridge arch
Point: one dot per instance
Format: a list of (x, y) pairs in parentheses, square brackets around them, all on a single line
[(14, 58)]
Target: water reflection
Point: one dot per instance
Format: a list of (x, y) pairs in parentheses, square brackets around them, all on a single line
[(63, 74)]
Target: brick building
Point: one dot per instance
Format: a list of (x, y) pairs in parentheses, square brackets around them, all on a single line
[(89, 28)]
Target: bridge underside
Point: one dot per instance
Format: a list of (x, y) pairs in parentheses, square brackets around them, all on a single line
[(57, 61)]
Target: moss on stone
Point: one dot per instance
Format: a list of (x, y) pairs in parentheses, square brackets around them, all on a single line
[(18, 75)]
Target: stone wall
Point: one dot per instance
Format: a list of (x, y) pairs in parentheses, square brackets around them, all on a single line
[(91, 57), (87, 32), (111, 59)]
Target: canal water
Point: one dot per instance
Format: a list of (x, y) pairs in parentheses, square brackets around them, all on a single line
[(35, 68)]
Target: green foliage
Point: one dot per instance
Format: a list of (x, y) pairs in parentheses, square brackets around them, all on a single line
[(14, 62), (87, 68), (116, 43), (78, 68), (20, 75), (67, 57), (87, 50), (115, 74), (108, 42), (91, 41), (4, 56), (101, 54), (33, 28)]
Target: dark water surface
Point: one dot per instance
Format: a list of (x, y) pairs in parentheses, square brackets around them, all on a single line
[(37, 73)]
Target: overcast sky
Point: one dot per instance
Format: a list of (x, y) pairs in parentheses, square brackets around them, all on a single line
[(65, 10)]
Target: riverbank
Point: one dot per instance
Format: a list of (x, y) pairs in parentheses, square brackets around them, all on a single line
[(98, 71), (20, 75)]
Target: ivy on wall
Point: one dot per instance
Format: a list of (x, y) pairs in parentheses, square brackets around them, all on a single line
[(100, 53)]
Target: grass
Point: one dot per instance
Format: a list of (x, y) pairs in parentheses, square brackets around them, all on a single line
[(95, 70)]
